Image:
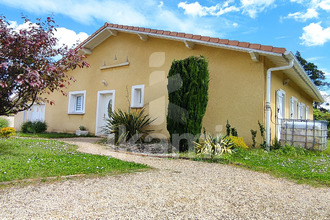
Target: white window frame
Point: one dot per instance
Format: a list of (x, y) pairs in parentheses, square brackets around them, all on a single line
[(72, 102), (294, 108), (137, 97)]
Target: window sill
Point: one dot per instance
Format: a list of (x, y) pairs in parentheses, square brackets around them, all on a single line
[(136, 107), (76, 113)]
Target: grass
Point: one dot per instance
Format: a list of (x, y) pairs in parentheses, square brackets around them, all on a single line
[(35, 158), (300, 165), (50, 135)]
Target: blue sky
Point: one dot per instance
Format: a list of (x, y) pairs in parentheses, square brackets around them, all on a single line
[(297, 25)]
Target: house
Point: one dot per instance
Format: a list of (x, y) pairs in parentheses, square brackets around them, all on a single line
[(129, 67)]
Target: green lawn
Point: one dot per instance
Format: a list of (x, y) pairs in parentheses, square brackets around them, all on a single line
[(300, 165), (35, 158)]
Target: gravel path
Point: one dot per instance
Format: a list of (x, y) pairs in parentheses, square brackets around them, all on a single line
[(176, 189)]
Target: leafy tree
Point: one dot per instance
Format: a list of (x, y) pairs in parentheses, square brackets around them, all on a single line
[(188, 96), (28, 65), (322, 114), (316, 75)]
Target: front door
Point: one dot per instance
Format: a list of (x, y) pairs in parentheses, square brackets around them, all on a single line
[(105, 102), (36, 113)]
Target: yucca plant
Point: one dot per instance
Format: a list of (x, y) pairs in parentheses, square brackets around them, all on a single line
[(214, 145), (131, 126)]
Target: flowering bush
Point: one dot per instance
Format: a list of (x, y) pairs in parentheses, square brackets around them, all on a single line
[(238, 142), (7, 132)]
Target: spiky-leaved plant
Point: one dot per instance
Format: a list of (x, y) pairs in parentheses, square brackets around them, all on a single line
[(129, 126)]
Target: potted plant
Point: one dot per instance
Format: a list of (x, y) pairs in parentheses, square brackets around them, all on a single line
[(82, 131)]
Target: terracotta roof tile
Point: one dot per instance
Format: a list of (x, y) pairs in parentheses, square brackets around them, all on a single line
[(197, 37), (181, 34), (233, 43), (266, 48), (190, 36), (205, 38), (255, 46), (243, 44), (223, 41), (214, 40), (278, 50)]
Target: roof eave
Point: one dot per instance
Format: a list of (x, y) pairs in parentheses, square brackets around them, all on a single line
[(300, 73)]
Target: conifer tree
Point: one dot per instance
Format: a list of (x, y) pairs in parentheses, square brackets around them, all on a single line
[(188, 96)]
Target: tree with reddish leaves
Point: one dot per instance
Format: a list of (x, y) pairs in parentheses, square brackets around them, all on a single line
[(31, 64)]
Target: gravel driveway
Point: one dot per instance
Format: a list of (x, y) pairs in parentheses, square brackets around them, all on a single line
[(176, 189)]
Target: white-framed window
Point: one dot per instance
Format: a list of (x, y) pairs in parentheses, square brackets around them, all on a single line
[(137, 100), (307, 112), (302, 111), (77, 100), (280, 104), (294, 108)]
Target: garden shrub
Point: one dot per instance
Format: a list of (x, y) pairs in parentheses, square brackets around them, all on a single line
[(7, 132), (27, 127), (213, 145), (128, 126), (34, 127), (238, 142), (40, 127), (3, 123), (188, 83)]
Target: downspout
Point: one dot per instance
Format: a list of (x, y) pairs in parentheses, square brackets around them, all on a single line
[(268, 98)]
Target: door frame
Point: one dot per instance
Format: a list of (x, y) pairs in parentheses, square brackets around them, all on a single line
[(99, 94)]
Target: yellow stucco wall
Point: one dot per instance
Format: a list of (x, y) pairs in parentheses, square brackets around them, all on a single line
[(236, 89)]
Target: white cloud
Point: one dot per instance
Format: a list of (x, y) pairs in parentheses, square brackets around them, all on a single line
[(63, 35), (249, 7), (253, 7), (196, 9), (325, 5), (171, 21), (69, 37), (85, 11), (300, 16), (314, 35)]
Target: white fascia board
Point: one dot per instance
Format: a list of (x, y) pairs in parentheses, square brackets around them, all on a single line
[(301, 74)]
